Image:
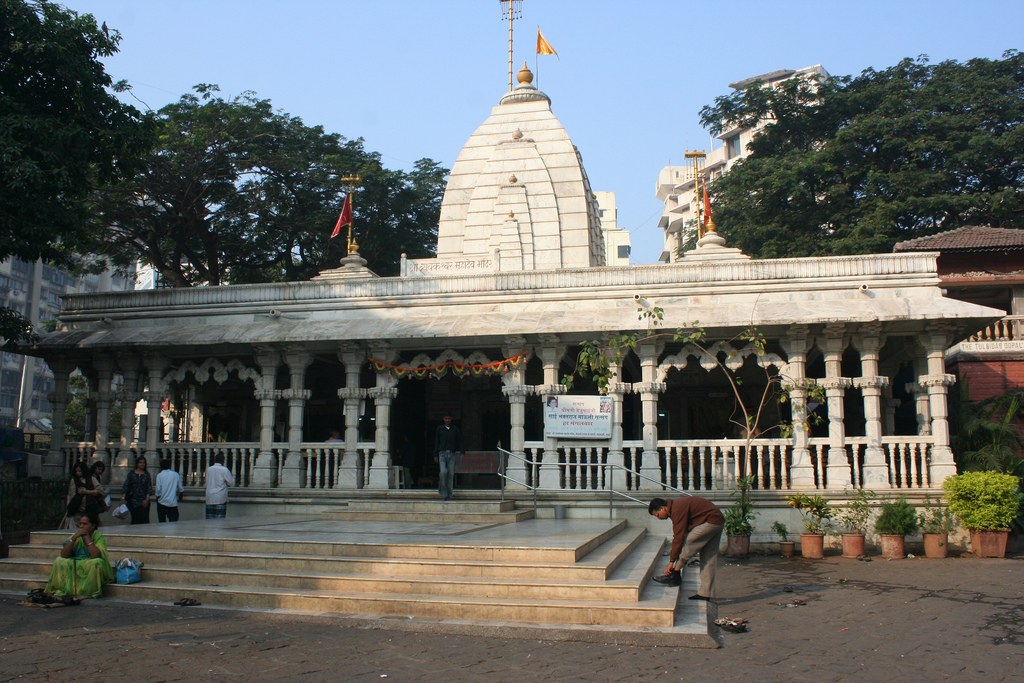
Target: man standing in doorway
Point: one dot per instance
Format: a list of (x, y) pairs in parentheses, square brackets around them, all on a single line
[(168, 492), (218, 479), (697, 525), (447, 447)]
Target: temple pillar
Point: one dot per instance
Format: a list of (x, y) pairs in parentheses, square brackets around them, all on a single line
[(130, 392), (52, 465), (264, 474), (515, 390), (155, 390), (350, 472), (550, 351), (380, 466), (104, 395), (796, 345), (936, 382), (297, 359), (875, 473), (837, 468), (649, 389)]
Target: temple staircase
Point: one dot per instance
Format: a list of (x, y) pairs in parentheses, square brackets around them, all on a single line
[(444, 562)]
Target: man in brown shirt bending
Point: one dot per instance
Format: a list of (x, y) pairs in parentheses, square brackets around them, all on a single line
[(697, 525)]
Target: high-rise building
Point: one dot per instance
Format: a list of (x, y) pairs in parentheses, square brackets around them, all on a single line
[(34, 290), (676, 183)]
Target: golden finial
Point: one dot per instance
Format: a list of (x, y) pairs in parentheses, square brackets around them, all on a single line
[(525, 76)]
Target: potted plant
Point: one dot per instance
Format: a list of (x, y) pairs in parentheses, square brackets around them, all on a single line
[(854, 522), (739, 518), (936, 521), (786, 546), (896, 519), (986, 503), (816, 512)]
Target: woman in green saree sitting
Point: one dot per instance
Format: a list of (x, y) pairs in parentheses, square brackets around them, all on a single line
[(83, 566)]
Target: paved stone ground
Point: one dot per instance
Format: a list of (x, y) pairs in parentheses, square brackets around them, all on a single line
[(905, 620)]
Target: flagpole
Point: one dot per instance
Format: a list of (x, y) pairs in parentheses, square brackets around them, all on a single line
[(351, 181), (697, 156), (511, 9)]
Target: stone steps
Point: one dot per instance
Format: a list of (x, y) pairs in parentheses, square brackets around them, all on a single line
[(595, 566), (449, 579), (443, 566)]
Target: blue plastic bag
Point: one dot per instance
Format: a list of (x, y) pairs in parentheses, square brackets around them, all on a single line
[(128, 571)]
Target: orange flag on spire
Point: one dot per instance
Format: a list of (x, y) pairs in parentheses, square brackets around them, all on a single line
[(345, 218), (543, 46)]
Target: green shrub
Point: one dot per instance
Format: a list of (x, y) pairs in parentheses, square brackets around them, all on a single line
[(781, 530), (983, 501), (739, 518), (896, 517)]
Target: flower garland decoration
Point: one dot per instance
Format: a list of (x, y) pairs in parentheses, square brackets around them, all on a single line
[(439, 370)]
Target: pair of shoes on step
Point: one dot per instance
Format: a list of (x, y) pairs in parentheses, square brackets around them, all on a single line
[(188, 602), (670, 579)]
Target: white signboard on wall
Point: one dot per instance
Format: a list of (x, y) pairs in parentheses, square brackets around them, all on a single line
[(578, 417)]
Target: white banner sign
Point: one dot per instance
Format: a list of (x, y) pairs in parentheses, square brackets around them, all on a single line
[(578, 417)]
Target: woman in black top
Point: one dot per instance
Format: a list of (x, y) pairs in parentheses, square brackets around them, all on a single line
[(138, 487)]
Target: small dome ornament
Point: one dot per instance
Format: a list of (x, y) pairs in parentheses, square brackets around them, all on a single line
[(517, 135), (512, 180), (525, 76)]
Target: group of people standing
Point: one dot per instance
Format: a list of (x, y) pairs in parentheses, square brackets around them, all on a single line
[(138, 491), (83, 566)]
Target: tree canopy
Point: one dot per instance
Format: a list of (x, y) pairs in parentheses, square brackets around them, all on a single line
[(234, 191), (854, 165), (62, 129)]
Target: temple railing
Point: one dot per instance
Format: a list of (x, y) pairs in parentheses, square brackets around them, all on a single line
[(1010, 328), (689, 465)]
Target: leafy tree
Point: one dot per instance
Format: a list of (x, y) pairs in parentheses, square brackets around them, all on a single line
[(234, 191), (854, 165), (62, 131)]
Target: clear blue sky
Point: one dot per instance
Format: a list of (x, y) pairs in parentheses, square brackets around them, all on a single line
[(415, 78)]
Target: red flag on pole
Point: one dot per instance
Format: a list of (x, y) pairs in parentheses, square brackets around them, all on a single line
[(345, 218)]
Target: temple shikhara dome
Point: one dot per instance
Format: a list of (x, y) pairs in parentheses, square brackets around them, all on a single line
[(518, 192)]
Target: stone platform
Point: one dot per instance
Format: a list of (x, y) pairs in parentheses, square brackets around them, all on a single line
[(459, 562)]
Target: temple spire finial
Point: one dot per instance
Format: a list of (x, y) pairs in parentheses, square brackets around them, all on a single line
[(511, 10)]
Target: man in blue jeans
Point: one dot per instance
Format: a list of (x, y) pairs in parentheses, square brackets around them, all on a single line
[(447, 447)]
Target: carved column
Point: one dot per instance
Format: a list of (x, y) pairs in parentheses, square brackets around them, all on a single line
[(550, 352), (297, 359), (875, 474), (617, 475), (801, 471), (380, 467), (130, 393), (155, 390), (516, 391), (350, 472), (936, 382), (52, 465), (837, 469), (264, 473), (104, 395), (649, 389)]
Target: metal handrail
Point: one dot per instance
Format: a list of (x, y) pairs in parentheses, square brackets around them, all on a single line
[(611, 490)]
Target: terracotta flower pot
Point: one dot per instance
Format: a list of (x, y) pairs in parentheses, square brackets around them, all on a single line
[(893, 546), (853, 545), (989, 543), (739, 546), (812, 546), (787, 548), (936, 546)]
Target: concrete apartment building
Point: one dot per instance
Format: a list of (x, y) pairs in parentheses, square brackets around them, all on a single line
[(676, 183)]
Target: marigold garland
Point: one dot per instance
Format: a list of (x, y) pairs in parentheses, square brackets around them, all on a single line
[(499, 367)]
